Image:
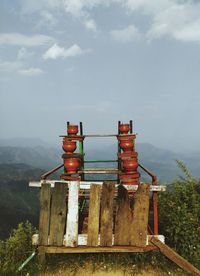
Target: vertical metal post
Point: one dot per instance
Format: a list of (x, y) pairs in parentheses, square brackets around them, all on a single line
[(119, 151), (155, 207), (81, 148), (131, 126)]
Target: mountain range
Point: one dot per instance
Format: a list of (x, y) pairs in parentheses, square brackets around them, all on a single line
[(38, 154), (28, 159)]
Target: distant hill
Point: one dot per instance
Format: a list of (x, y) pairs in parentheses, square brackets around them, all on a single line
[(40, 155), (18, 202), (23, 142)]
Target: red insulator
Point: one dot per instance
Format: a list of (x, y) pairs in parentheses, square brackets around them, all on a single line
[(124, 128), (130, 165), (69, 146), (71, 165), (72, 129), (127, 145)]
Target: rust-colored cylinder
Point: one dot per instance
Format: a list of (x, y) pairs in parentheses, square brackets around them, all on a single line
[(124, 128), (71, 165), (72, 129), (69, 146), (130, 165), (127, 145)]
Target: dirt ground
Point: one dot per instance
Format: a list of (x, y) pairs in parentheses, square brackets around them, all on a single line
[(89, 272)]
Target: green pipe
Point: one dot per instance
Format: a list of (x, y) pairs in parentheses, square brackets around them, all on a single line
[(81, 148), (26, 261), (100, 161)]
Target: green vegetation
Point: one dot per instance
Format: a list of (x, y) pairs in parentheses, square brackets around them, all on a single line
[(18, 202), (179, 221), (16, 249), (179, 212)]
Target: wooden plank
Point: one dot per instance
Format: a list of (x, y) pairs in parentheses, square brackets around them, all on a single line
[(58, 214), (72, 216), (98, 249), (86, 185), (138, 229), (108, 190), (94, 213), (175, 257), (45, 198), (82, 239), (122, 218)]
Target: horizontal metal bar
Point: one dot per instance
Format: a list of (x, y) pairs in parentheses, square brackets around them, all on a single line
[(90, 135), (100, 161), (45, 175), (99, 171)]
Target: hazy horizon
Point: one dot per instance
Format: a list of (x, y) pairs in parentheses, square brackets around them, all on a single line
[(99, 62)]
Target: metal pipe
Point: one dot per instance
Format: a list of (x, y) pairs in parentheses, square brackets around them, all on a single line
[(119, 151), (26, 261), (155, 199), (100, 161), (45, 175), (81, 149), (131, 126)]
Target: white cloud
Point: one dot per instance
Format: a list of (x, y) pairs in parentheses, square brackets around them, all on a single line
[(90, 25), (10, 66), (175, 19), (56, 51), (24, 40), (126, 35), (31, 72)]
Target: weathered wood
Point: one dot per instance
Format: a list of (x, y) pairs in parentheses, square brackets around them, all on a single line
[(86, 185), (98, 249), (122, 218), (72, 215), (82, 239), (45, 198), (108, 190), (175, 257), (138, 229), (94, 213), (41, 255), (58, 214)]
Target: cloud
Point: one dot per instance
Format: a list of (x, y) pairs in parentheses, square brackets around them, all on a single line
[(10, 66), (56, 51), (126, 35), (173, 19), (90, 25), (18, 39), (31, 72), (176, 19)]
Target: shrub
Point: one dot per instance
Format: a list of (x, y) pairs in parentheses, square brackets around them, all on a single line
[(179, 216), (15, 250)]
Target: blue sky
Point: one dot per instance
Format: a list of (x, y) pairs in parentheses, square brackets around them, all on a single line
[(100, 61)]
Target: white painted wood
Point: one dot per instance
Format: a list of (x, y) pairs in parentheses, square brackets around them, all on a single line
[(72, 215), (86, 185), (82, 239)]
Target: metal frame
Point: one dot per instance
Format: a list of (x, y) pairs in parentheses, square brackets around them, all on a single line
[(84, 171)]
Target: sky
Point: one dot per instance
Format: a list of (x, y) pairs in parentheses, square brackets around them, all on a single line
[(100, 61)]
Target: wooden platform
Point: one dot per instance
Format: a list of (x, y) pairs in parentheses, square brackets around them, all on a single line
[(95, 249)]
